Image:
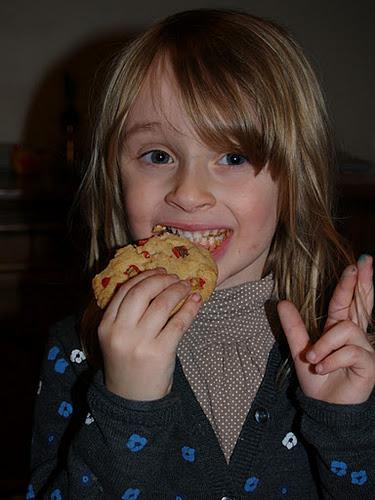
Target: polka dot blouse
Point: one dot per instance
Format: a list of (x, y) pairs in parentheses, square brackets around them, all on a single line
[(224, 355)]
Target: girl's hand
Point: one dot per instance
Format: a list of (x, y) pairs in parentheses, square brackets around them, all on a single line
[(340, 366), (138, 337)]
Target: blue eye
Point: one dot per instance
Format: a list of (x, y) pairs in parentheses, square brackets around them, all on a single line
[(233, 159), (158, 157)]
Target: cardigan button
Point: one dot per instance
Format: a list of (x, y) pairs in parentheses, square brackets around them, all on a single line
[(261, 416), (226, 498)]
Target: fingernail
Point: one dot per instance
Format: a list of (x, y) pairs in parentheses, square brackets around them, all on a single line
[(196, 297), (311, 356), (362, 258)]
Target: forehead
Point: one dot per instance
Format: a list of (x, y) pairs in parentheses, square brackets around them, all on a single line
[(158, 104)]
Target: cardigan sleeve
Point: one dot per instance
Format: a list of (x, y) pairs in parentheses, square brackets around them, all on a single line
[(343, 442), (88, 442)]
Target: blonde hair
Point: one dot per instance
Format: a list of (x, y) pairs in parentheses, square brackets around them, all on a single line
[(246, 86)]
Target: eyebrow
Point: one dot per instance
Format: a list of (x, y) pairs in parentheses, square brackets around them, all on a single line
[(142, 127)]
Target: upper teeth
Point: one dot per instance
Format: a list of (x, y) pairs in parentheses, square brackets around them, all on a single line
[(210, 238)]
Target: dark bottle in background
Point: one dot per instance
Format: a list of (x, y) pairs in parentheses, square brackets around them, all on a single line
[(70, 119)]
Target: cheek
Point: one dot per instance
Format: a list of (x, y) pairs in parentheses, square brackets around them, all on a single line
[(138, 209), (133, 200), (267, 215), (140, 200), (260, 219), (133, 189)]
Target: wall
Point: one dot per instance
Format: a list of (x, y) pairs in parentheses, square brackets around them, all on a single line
[(38, 39)]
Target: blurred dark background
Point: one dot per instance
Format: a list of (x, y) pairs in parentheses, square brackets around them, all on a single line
[(53, 57)]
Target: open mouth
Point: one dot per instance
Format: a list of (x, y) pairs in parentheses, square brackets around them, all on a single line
[(211, 239)]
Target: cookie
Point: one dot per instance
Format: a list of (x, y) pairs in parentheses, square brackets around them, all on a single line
[(177, 255)]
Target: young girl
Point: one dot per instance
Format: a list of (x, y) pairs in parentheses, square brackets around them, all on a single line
[(213, 123)]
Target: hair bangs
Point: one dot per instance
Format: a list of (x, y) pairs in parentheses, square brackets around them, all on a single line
[(222, 113)]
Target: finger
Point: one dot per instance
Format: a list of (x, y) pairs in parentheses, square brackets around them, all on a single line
[(343, 333), (359, 360), (294, 329), (112, 308), (180, 322), (339, 305), (137, 300), (162, 307), (364, 293)]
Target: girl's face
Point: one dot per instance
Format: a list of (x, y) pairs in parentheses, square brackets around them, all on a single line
[(171, 178)]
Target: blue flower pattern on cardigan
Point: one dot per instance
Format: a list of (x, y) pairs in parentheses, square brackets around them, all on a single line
[(56, 495), (86, 479), (251, 484), (53, 352), (30, 492), (51, 439), (359, 477), (188, 453), (61, 365), (131, 494), (65, 409), (137, 442), (339, 468)]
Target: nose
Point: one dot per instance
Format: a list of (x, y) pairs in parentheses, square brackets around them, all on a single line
[(191, 191)]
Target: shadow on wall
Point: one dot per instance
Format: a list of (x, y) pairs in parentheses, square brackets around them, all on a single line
[(69, 91), (40, 285)]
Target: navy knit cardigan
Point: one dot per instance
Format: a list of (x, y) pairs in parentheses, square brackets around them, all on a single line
[(91, 444)]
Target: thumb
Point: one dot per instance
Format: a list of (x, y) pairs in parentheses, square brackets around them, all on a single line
[(294, 329)]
